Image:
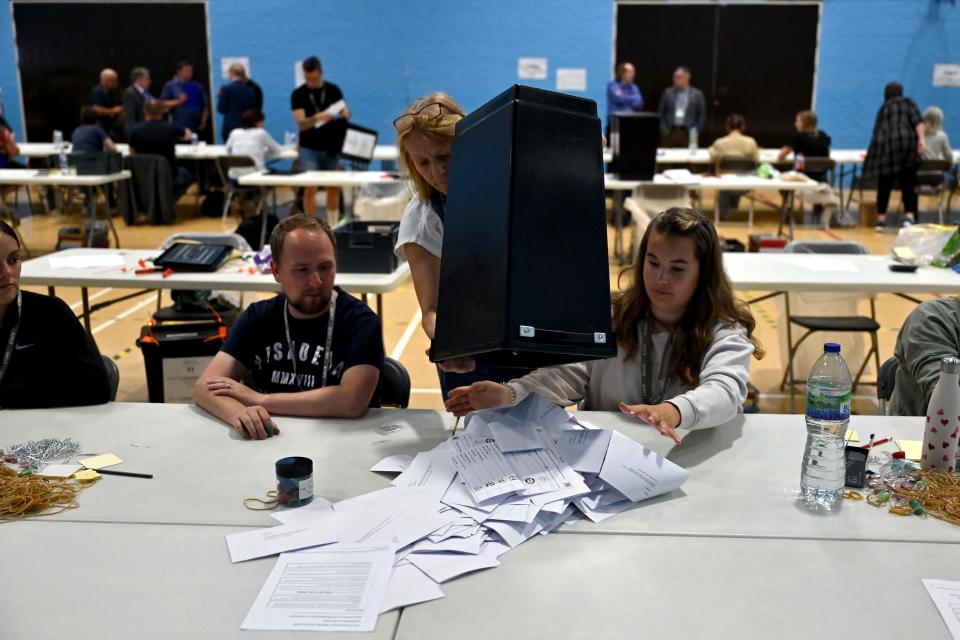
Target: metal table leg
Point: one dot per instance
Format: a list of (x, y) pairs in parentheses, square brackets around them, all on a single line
[(380, 306), (86, 309)]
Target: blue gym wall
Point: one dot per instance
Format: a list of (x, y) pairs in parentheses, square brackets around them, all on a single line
[(384, 53)]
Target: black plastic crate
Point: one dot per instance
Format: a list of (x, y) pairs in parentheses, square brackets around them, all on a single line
[(367, 246)]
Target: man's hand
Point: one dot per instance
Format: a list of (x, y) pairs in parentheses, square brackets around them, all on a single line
[(252, 422), (479, 395), (345, 114), (236, 390), (663, 417), (323, 117), (182, 98), (117, 110)]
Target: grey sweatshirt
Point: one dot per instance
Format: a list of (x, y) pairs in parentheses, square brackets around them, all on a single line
[(930, 333), (600, 385)]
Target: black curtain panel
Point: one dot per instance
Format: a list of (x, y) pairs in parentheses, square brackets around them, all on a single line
[(63, 46), (758, 60)]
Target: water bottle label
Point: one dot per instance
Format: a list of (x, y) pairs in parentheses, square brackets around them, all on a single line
[(827, 404)]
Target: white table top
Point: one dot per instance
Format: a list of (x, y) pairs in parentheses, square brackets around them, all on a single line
[(808, 272), (150, 582), (619, 587), (33, 176), (202, 151), (203, 469), (232, 276), (317, 179), (729, 182), (745, 479)]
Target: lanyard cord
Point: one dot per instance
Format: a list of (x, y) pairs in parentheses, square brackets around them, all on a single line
[(313, 101), (8, 352), (327, 352), (646, 362)]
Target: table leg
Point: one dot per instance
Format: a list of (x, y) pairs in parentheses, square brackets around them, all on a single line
[(52, 291), (380, 306), (842, 169), (106, 210), (86, 309), (363, 297), (789, 212)]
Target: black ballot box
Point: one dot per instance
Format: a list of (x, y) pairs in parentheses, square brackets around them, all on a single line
[(634, 138), (524, 277)]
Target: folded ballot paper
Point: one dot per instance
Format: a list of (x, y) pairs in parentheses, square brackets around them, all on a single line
[(509, 475)]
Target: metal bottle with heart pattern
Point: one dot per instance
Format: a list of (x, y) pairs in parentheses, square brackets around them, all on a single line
[(942, 430)]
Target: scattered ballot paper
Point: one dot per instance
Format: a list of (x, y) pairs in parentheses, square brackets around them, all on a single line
[(637, 472), (431, 471), (333, 110), (409, 585), (393, 464), (317, 509), (337, 588), (946, 595), (85, 261), (273, 540), (585, 449), (99, 462)]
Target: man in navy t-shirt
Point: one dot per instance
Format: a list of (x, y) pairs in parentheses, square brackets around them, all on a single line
[(194, 111), (298, 363)]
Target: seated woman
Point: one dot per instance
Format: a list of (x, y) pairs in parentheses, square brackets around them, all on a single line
[(253, 141), (684, 342), (91, 137), (46, 358), (811, 142)]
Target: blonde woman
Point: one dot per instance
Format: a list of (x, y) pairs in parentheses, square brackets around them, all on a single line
[(425, 134), (936, 144)]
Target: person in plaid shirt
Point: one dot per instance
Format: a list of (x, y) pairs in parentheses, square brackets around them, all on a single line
[(894, 153)]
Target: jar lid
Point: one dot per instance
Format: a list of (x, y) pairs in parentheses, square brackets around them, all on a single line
[(950, 365), (294, 467)]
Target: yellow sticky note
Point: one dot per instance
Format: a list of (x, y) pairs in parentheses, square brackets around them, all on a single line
[(911, 448), (87, 475), (99, 462), (853, 436)]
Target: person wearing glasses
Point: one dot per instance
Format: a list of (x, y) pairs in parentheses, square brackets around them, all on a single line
[(46, 358), (425, 134), (315, 106), (683, 341)]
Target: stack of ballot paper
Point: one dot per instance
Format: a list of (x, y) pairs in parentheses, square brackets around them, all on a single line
[(510, 475)]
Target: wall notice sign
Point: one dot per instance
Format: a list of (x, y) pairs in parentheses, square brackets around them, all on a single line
[(571, 79), (946, 75), (532, 68), (226, 63), (298, 74)]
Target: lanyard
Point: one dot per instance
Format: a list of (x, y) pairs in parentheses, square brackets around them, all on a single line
[(327, 353), (8, 352), (646, 363), (313, 101)]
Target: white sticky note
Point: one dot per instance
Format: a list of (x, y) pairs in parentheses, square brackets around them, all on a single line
[(273, 540), (60, 470)]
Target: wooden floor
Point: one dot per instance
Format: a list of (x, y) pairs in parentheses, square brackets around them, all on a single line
[(116, 328)]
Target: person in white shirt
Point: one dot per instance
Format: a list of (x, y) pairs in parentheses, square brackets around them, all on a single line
[(683, 341), (253, 141)]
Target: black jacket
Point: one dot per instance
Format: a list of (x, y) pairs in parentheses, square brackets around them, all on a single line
[(54, 362)]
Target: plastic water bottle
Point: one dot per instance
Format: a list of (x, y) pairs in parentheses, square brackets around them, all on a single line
[(62, 161), (829, 389), (694, 139), (799, 163), (57, 140), (194, 139)]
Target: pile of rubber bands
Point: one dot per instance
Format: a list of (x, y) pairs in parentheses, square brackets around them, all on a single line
[(34, 495), (906, 491)]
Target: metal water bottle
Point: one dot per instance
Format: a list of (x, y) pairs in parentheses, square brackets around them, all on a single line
[(942, 429)]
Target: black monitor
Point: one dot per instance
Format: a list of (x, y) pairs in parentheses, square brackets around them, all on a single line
[(634, 138)]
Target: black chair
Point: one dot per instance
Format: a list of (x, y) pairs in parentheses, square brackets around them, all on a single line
[(232, 188), (835, 324), (150, 189), (113, 375), (932, 179), (394, 384), (885, 382)]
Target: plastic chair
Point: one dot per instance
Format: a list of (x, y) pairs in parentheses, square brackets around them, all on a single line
[(932, 177), (113, 376), (234, 240), (231, 187), (885, 382), (837, 324), (394, 384), (647, 202)]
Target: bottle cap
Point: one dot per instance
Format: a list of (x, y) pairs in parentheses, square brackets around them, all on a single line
[(294, 467), (831, 347), (950, 365)]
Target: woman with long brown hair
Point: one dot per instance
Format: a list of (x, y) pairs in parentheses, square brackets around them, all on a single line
[(684, 342)]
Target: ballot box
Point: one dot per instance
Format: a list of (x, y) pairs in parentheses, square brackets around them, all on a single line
[(524, 277), (634, 138)]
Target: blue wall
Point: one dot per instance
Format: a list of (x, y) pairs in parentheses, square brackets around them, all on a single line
[(385, 53)]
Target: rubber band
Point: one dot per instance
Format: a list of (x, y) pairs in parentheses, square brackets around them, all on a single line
[(35, 495), (269, 505), (852, 495)]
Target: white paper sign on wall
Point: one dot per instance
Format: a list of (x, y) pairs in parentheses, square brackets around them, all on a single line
[(571, 79), (532, 68), (946, 75), (298, 73), (226, 63)]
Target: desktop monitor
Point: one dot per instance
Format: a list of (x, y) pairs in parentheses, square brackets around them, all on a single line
[(634, 138)]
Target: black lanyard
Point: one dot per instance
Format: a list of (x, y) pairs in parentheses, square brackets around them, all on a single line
[(313, 101), (8, 352), (646, 363)]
